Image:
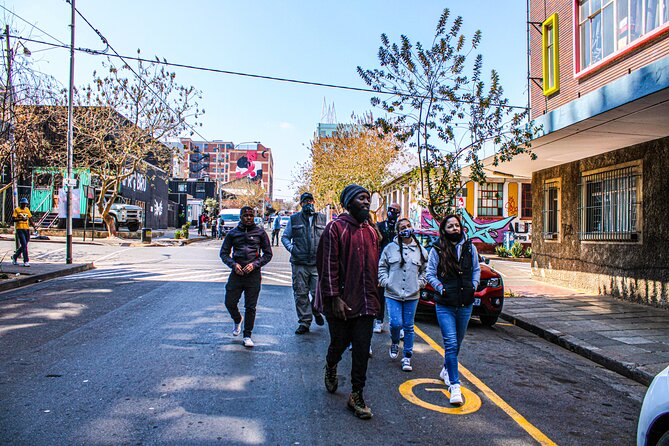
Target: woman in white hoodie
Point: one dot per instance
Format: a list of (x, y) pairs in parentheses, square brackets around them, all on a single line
[(402, 273)]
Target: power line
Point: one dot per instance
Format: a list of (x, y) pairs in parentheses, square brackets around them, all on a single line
[(106, 42), (33, 25), (256, 76)]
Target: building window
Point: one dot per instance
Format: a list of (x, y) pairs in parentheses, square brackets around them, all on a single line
[(609, 205), (608, 26), (550, 55), (526, 205), (181, 187), (551, 209), (491, 200)]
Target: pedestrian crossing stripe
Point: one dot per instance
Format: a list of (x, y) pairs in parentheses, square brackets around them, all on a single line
[(161, 274)]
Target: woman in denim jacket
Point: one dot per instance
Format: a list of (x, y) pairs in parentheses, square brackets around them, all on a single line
[(402, 274)]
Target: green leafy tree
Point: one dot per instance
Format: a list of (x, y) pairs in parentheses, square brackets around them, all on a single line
[(441, 103)]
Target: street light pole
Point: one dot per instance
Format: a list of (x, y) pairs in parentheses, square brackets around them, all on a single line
[(70, 135), (10, 102)]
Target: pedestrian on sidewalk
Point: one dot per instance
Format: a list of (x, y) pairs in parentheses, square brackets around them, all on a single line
[(347, 262), (246, 241), (200, 224), (276, 228), (22, 219), (301, 237), (402, 275), (388, 231), (453, 271), (214, 227)]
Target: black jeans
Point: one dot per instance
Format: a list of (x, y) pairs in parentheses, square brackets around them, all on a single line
[(358, 332), (249, 284), (23, 236), (275, 236)]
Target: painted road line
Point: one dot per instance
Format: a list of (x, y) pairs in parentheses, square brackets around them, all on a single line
[(48, 253), (487, 391), (471, 405), (111, 255)]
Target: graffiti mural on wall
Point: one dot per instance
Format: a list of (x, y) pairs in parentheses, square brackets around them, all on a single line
[(485, 231), (248, 166)]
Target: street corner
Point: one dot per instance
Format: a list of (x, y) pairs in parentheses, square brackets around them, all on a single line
[(432, 394)]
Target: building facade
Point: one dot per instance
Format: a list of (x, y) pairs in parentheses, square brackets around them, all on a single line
[(601, 72), (224, 162), (498, 212)]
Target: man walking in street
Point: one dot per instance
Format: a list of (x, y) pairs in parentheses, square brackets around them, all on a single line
[(23, 219), (246, 241), (301, 238), (388, 233), (347, 261), (276, 228)]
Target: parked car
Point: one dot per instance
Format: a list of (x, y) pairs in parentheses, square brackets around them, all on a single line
[(488, 298), (229, 218), (284, 221), (258, 221), (653, 429)]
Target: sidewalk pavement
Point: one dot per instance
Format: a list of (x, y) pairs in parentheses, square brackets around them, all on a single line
[(37, 272), (628, 338)]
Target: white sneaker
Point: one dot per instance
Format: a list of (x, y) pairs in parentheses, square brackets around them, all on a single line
[(378, 326), (370, 351), (14, 261), (444, 376), (406, 364), (26, 264), (248, 342), (237, 328), (456, 395)]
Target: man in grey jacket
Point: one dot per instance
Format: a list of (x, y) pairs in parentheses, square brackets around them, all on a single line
[(301, 237)]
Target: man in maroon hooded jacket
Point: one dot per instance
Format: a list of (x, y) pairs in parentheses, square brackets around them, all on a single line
[(347, 262)]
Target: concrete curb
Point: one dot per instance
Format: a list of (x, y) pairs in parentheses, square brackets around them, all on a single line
[(37, 240), (29, 280), (626, 369)]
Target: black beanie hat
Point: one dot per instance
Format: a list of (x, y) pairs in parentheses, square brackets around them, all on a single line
[(349, 193), (305, 196)]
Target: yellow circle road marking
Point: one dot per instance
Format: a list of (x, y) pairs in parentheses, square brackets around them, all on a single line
[(471, 405)]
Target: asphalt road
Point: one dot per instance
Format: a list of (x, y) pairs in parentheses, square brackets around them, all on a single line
[(139, 351)]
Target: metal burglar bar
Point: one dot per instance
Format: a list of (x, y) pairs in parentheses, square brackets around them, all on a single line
[(609, 205), (551, 210)]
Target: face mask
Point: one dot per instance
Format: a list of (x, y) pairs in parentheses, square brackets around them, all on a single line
[(406, 233), (308, 208), (454, 237), (393, 214)]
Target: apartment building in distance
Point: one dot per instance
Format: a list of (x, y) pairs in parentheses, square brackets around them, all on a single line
[(599, 91), (224, 162)]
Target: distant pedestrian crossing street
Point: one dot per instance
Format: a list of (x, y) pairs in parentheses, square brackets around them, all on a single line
[(160, 273)]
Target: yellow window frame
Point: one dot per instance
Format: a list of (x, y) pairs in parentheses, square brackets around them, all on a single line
[(550, 27)]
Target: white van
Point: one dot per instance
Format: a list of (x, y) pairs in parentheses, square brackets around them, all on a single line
[(229, 218)]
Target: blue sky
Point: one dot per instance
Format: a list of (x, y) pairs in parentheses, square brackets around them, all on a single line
[(307, 40)]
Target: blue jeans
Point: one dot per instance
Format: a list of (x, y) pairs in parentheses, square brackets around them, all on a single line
[(401, 314), (453, 323)]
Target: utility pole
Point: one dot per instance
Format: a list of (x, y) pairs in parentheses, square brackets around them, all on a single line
[(11, 123), (70, 179)]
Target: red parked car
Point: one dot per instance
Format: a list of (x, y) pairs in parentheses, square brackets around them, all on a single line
[(489, 296)]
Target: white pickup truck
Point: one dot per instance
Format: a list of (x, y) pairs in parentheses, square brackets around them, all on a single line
[(124, 214)]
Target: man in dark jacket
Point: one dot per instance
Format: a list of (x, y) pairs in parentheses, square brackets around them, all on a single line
[(301, 238), (388, 233), (246, 241), (347, 261)]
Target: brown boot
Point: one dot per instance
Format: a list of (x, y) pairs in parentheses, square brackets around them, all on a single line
[(357, 405), (331, 380)]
